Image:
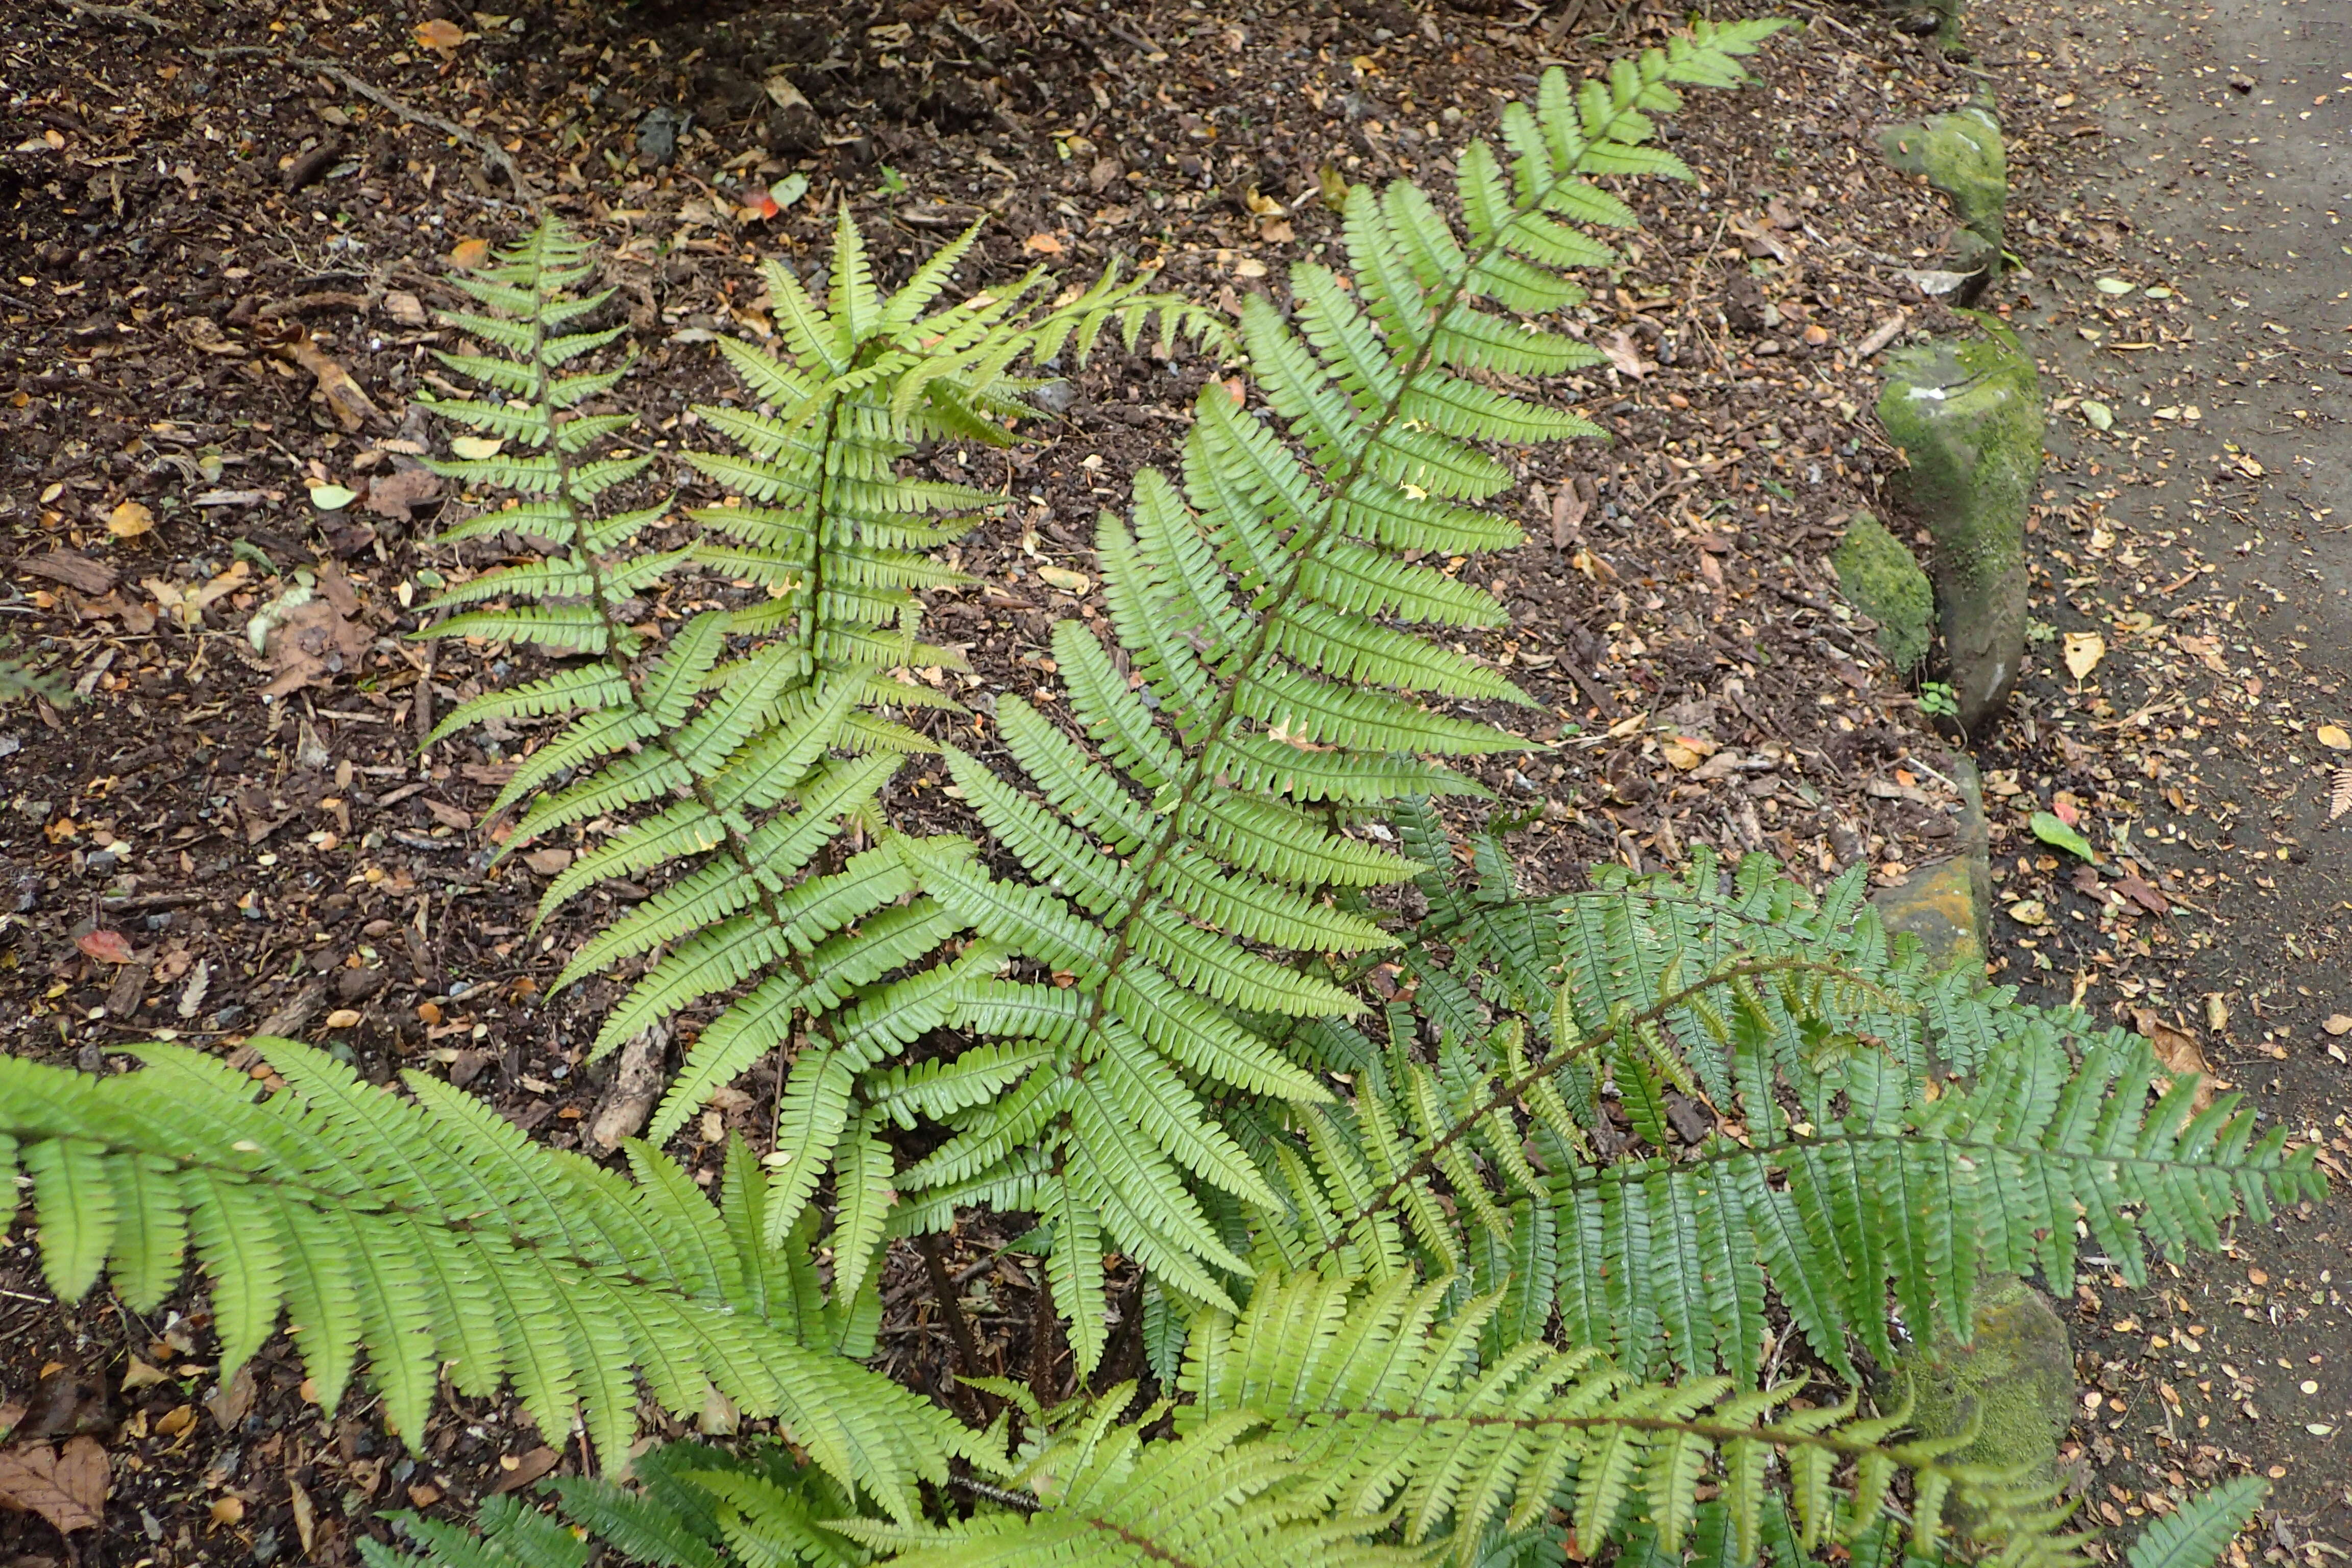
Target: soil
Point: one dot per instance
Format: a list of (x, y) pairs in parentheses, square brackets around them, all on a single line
[(2204, 538), (211, 246)]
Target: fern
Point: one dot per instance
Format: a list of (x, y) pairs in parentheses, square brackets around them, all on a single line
[(1178, 862), (745, 765), (2195, 1534), (431, 1233), (1892, 1179)]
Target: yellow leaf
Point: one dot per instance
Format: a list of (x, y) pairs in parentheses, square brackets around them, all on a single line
[(1062, 577), (2333, 737), (476, 448), (129, 519), (469, 255), (2084, 651), (441, 35)]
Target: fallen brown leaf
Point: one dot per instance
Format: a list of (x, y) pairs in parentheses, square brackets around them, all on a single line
[(469, 255), (392, 494), (2179, 1051), (346, 400), (229, 1403), (65, 1486), (520, 1470), (1622, 354)]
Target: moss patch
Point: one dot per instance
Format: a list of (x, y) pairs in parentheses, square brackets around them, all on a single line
[(1967, 414), (1881, 578), (2016, 1378), (1961, 154)]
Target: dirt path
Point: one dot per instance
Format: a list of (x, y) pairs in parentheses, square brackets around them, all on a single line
[(2207, 537)]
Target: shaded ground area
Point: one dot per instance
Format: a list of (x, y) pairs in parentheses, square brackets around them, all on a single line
[(2190, 280), (214, 284)]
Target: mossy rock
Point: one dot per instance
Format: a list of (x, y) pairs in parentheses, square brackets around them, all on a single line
[(1963, 155), (2015, 1379), (1967, 414), (1880, 576)]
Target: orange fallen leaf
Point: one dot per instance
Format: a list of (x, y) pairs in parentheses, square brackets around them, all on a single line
[(129, 519), (106, 946), (440, 35), (469, 255), (1043, 244)]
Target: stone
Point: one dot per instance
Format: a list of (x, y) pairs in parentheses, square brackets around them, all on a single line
[(1961, 155), (2015, 1378), (1937, 904), (1968, 414), (1879, 577)]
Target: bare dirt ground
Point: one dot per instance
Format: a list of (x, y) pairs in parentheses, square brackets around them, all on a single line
[(2206, 537), (205, 210)]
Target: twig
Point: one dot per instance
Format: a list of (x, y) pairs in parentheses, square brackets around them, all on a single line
[(120, 13), (490, 151)]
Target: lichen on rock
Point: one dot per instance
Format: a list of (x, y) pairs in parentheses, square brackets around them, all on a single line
[(1967, 414), (1880, 576)]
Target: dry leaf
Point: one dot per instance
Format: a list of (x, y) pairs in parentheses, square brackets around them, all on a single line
[(2339, 1025), (2339, 794), (229, 1509), (65, 1486), (520, 1470), (441, 36), (1043, 244), (351, 406), (142, 1375), (106, 946), (229, 1403), (2179, 1051), (469, 255), (406, 308), (1569, 506), (185, 603), (548, 862), (306, 1515), (636, 1084), (312, 643), (129, 519), (1625, 356), (343, 1018), (394, 494), (1062, 577), (2333, 737), (2084, 651)]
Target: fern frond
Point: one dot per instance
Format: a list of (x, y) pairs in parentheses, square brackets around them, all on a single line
[(433, 1231), (1254, 608), (1894, 1180)]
